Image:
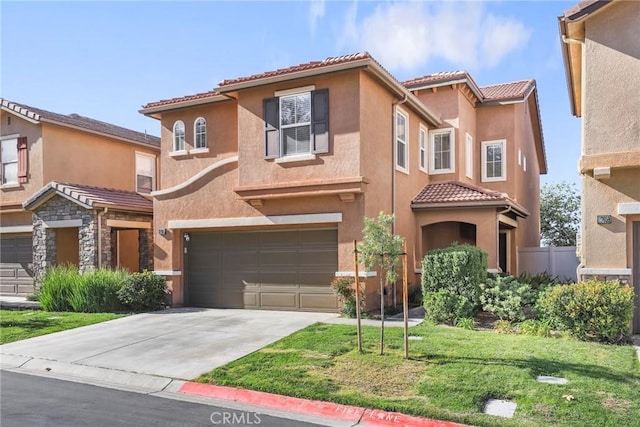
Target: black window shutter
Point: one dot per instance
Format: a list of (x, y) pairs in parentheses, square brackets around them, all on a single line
[(320, 120), (271, 128)]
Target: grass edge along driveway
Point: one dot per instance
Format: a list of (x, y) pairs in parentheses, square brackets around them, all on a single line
[(21, 323), (449, 375)]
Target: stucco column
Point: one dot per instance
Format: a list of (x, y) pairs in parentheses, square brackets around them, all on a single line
[(44, 249), (145, 249)]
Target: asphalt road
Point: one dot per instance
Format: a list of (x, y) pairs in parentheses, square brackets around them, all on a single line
[(28, 400)]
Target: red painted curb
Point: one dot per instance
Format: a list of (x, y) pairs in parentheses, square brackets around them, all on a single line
[(356, 415)]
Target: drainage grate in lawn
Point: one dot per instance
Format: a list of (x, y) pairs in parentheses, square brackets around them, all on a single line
[(500, 408), (552, 380)]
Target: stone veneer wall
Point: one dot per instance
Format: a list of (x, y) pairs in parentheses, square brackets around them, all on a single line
[(60, 209), (623, 279), (44, 239)]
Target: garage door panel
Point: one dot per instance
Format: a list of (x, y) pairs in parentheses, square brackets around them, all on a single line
[(16, 260), (286, 270), (311, 301), (281, 300)]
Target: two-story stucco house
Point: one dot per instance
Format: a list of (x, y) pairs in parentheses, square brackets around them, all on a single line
[(601, 51), (73, 190), (266, 179)]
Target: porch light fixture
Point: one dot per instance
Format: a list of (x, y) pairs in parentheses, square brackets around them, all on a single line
[(187, 237), (162, 231)]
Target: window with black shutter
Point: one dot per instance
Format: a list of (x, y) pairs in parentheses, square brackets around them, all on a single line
[(296, 124)]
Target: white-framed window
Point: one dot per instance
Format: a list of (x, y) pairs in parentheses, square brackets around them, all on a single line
[(9, 161), (442, 151), (402, 138), (200, 132), (295, 124), (524, 163), (519, 157), (468, 155), (178, 136), (422, 153), (494, 160), (145, 173)]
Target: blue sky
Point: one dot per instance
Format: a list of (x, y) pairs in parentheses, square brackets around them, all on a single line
[(106, 59)]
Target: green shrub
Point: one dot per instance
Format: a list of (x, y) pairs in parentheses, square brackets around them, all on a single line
[(415, 295), (97, 292), (465, 323), (505, 297), (458, 268), (504, 327), (592, 311), (539, 283), (541, 328), (143, 292), (57, 287), (445, 306), (344, 289)]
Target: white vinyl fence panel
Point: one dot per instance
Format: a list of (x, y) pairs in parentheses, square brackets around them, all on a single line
[(557, 261)]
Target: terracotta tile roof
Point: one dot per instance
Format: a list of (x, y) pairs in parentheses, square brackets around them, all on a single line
[(202, 95), (77, 120), (503, 91), (498, 92), (453, 191), (335, 60), (437, 78), (457, 192), (92, 197)]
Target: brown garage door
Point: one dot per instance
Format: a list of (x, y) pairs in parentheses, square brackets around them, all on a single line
[(274, 270), (16, 259)]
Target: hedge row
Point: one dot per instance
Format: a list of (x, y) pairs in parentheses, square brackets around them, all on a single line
[(102, 290)]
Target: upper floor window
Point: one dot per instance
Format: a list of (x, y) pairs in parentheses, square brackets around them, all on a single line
[(402, 133), (494, 160), (442, 151), (423, 149), (178, 136), (10, 161), (297, 123), (145, 173), (13, 158), (200, 131)]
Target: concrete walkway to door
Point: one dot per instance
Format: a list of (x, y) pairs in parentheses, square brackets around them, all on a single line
[(178, 343)]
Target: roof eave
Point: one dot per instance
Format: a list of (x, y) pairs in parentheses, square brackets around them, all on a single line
[(569, 69), (468, 81), (517, 209), (121, 208), (359, 63), (153, 111), (32, 120)]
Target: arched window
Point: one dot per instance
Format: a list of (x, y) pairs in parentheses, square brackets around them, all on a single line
[(200, 131), (178, 136)]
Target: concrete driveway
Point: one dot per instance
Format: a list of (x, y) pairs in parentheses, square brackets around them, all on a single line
[(177, 343)]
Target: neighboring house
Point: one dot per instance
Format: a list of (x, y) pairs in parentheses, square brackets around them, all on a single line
[(601, 50), (73, 190), (266, 180)]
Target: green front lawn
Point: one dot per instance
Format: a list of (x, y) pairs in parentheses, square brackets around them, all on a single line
[(449, 375), (19, 324)]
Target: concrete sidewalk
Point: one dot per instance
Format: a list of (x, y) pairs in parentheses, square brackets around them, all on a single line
[(416, 317)]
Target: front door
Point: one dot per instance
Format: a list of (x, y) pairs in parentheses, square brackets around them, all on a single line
[(503, 251)]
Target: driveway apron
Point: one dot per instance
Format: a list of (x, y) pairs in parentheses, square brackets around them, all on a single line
[(178, 343)]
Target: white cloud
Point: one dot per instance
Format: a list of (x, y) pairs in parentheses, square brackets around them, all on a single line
[(316, 12), (405, 36)]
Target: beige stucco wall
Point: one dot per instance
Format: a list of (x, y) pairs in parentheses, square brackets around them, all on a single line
[(611, 123), (82, 158), (611, 78), (606, 245)]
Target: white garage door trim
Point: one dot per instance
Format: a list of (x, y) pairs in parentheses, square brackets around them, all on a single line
[(319, 218)]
